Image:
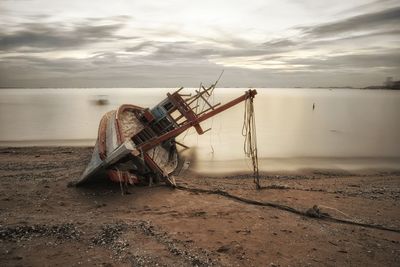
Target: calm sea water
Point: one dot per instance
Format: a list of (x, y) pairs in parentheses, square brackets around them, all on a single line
[(347, 128)]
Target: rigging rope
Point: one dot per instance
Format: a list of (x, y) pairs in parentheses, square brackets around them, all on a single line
[(250, 140)]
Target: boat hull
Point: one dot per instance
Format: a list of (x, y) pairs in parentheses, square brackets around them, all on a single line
[(115, 132)]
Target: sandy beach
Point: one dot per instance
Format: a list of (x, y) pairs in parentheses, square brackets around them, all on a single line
[(45, 220)]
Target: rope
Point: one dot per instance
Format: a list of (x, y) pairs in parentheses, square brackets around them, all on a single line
[(331, 208), (250, 138), (315, 214)]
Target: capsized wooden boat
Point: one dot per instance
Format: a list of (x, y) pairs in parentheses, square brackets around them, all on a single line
[(137, 145)]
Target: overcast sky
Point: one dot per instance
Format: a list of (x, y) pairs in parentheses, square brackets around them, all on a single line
[(260, 43)]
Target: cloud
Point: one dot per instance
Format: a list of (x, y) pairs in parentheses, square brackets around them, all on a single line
[(343, 35), (103, 70), (192, 50), (389, 18), (57, 36), (356, 61), (114, 52), (360, 43)]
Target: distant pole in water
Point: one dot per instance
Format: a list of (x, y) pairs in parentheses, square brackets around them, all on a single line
[(313, 106)]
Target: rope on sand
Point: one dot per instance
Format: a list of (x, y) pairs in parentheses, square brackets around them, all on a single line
[(313, 212)]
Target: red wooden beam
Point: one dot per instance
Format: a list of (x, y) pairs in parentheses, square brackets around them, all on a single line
[(158, 140)]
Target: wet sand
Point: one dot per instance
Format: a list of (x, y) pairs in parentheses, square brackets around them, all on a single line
[(46, 222)]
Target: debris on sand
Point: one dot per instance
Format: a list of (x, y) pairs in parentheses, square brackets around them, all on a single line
[(176, 247), (66, 231), (109, 236), (109, 233)]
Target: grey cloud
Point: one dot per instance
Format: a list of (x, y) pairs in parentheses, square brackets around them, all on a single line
[(374, 34), (120, 18), (279, 43), (182, 50), (140, 46), (63, 65), (372, 61), (128, 75), (57, 36), (119, 72), (386, 18), (375, 5), (175, 50)]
